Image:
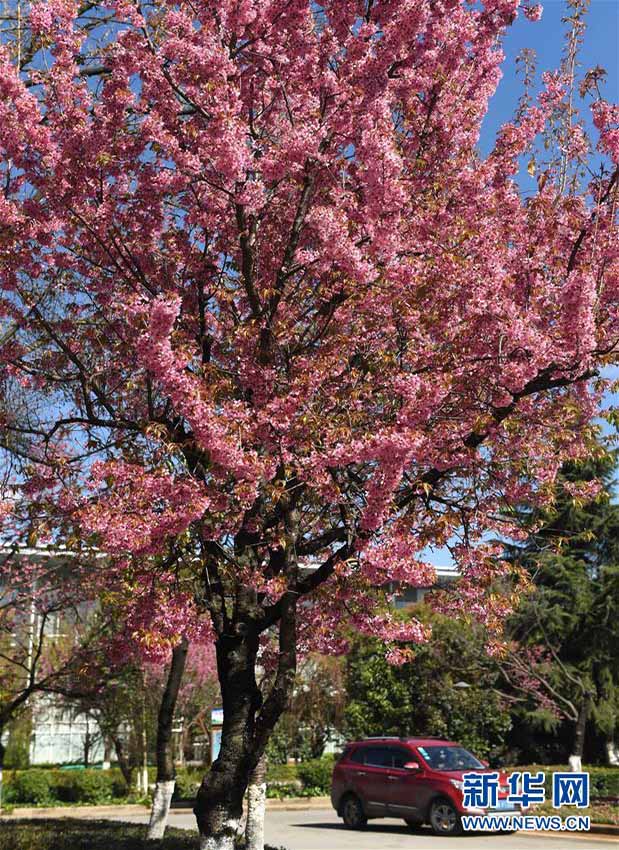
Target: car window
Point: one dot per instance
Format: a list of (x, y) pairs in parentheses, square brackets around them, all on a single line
[(382, 756), (378, 757), (357, 755), (400, 757), (450, 758)]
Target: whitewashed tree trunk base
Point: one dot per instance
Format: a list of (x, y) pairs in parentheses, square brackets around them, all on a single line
[(575, 763), (256, 805), (160, 809), (221, 842), (612, 754)]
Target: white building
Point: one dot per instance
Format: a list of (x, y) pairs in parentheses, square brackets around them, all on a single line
[(60, 736)]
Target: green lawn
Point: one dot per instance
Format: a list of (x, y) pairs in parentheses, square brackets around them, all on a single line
[(74, 834)]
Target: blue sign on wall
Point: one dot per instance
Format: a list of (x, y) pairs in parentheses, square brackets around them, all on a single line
[(215, 744)]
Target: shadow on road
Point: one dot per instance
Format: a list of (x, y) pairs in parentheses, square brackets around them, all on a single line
[(369, 828), (391, 829)]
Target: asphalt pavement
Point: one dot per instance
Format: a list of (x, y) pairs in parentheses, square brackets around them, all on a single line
[(321, 829)]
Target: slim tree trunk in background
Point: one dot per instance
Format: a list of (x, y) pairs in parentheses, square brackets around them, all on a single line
[(164, 788), (143, 771), (87, 745), (107, 752), (256, 803), (612, 752), (2, 751), (575, 759), (123, 762)]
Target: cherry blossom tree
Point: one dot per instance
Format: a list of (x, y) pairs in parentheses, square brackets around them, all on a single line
[(144, 667), (277, 320)]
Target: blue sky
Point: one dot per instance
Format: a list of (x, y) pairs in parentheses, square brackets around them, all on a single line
[(546, 38)]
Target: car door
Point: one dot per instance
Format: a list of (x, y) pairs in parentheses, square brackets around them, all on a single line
[(369, 779), (408, 792)]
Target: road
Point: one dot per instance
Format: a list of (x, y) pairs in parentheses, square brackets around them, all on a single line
[(321, 829)]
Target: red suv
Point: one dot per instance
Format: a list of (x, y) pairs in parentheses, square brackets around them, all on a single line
[(417, 779)]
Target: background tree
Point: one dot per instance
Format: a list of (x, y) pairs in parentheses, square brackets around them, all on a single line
[(45, 630), (268, 303), (570, 620), (187, 679), (112, 694), (145, 677), (446, 690), (315, 716)]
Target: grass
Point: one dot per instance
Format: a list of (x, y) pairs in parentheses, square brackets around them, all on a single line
[(74, 834)]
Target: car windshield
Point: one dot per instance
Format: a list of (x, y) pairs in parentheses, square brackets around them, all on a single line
[(450, 758)]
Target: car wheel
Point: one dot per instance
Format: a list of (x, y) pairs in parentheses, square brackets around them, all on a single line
[(444, 818), (352, 812), (413, 824)]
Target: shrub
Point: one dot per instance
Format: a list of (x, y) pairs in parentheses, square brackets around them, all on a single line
[(91, 786), (187, 784), (17, 754), (31, 786), (603, 781), (281, 772), (316, 774), (284, 790), (119, 786)]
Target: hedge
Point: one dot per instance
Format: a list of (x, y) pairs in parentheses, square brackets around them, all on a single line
[(187, 784), (38, 787), (30, 786), (603, 781), (316, 774), (311, 778)]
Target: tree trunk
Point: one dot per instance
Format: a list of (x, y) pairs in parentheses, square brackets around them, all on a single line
[(164, 788), (612, 753), (87, 746), (123, 762), (107, 750), (219, 804), (578, 745), (248, 719), (256, 804), (143, 771), (2, 751)]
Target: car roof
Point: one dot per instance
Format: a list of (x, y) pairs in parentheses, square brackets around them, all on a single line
[(416, 742)]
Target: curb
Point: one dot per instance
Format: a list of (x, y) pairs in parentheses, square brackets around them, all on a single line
[(74, 811), (292, 804), (295, 804), (605, 828), (289, 804)]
